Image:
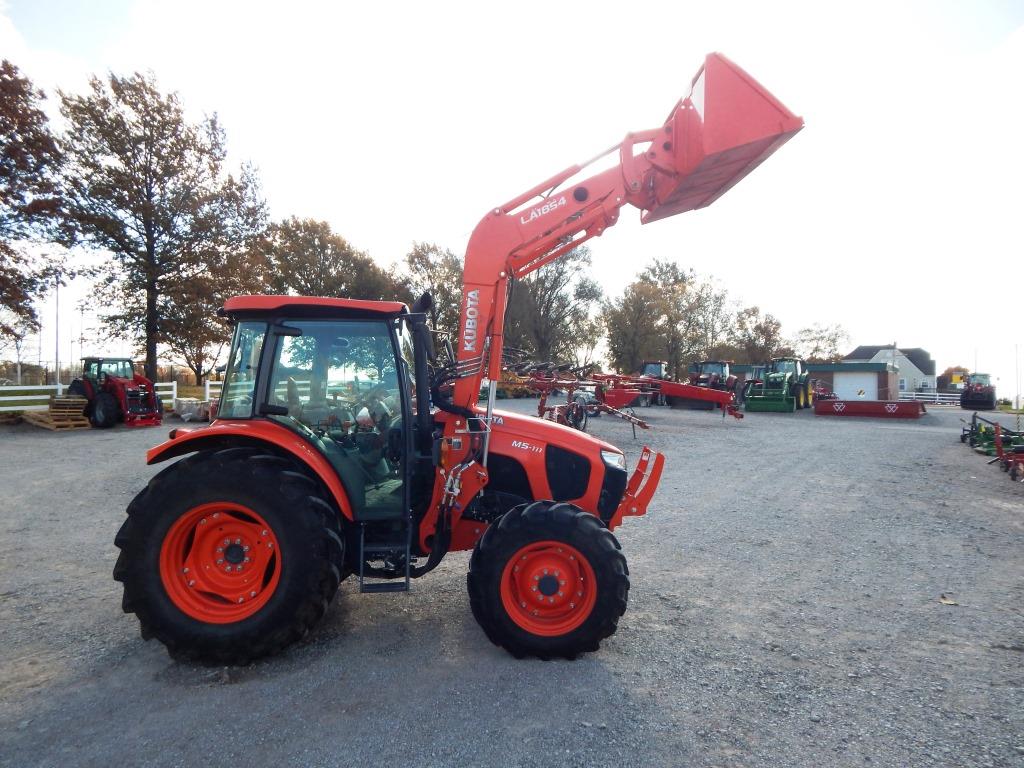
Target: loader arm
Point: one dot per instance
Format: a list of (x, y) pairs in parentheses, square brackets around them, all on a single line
[(721, 131), (724, 128)]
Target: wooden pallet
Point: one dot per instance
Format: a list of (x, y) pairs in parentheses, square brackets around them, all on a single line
[(9, 419), (65, 413), (72, 406), (44, 420)]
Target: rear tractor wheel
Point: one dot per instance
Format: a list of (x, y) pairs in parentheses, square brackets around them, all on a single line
[(228, 556), (548, 580)]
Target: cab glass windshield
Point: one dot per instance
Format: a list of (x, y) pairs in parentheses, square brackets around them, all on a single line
[(240, 375)]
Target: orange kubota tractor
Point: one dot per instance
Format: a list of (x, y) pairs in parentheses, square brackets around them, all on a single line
[(345, 444)]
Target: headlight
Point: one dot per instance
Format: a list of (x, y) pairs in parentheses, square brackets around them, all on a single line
[(614, 459)]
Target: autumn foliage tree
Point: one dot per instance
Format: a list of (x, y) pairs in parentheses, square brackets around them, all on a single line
[(429, 267), (150, 189), (29, 162), (306, 257), (551, 314)]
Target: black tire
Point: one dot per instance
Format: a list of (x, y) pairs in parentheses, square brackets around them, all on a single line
[(578, 414), (104, 411), (547, 521), (306, 528)]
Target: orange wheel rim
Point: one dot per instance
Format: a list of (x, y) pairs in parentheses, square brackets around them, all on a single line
[(220, 562), (548, 588)]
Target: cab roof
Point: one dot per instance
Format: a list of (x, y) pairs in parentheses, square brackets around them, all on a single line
[(305, 304)]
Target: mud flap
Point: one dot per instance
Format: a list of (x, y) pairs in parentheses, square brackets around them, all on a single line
[(641, 487)]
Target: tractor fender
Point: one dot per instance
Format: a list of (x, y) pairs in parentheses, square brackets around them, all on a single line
[(229, 434)]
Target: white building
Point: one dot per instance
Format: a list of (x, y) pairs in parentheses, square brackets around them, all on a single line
[(915, 367)]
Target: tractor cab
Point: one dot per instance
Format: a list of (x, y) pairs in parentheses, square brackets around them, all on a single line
[(714, 374), (790, 365), (655, 369), (97, 369), (341, 383)]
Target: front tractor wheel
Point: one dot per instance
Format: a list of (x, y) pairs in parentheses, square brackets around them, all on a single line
[(228, 556), (548, 580)]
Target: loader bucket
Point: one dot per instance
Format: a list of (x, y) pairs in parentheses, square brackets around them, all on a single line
[(727, 126)]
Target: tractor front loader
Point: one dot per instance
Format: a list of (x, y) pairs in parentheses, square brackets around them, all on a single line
[(785, 387), (345, 444)]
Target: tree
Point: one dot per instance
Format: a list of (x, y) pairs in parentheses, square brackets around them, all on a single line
[(150, 189), (631, 324), (19, 330), (29, 160), (306, 257), (439, 271), (758, 336), (192, 330), (551, 312), (820, 343)]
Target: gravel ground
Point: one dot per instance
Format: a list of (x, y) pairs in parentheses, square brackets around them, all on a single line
[(784, 611)]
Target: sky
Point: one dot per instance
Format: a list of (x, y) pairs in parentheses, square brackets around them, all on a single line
[(896, 212)]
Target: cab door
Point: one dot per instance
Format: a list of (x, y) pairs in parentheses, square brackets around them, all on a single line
[(342, 385)]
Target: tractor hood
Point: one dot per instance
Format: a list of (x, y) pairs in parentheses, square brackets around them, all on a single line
[(518, 425)]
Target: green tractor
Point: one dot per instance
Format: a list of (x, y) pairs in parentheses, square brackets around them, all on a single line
[(785, 387)]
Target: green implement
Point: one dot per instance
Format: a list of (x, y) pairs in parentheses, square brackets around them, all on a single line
[(785, 388)]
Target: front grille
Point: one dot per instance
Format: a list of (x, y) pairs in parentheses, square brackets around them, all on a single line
[(612, 490)]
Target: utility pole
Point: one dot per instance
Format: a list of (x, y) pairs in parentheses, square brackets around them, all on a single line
[(56, 335)]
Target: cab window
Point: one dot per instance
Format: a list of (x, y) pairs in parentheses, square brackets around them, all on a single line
[(238, 393)]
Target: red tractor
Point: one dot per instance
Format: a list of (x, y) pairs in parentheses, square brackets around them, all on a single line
[(345, 444), (116, 392), (714, 374)]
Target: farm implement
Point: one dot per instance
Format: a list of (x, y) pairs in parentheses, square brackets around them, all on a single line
[(387, 461), (989, 437)]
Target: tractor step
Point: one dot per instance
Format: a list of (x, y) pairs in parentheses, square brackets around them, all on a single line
[(384, 586), (401, 545)]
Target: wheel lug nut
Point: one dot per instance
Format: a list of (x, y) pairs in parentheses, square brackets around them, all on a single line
[(226, 542), (561, 593), (522, 605), (241, 599), (536, 578), (534, 589), (238, 541), (264, 533), (270, 545), (220, 561), (562, 582), (203, 521), (246, 560), (216, 515), (238, 568), (227, 568), (184, 570), (245, 548), (192, 582), (252, 594), (220, 549)]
